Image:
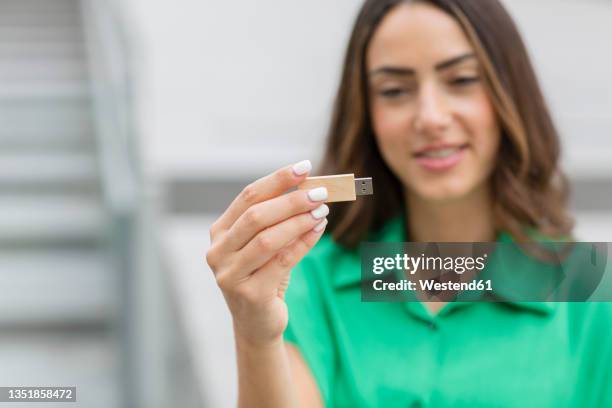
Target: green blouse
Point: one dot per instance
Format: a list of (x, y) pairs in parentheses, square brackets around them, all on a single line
[(479, 354)]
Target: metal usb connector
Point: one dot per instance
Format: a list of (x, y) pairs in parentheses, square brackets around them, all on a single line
[(363, 186)]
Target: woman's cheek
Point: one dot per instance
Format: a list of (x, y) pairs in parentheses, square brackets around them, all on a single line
[(391, 132), (391, 122), (481, 121)]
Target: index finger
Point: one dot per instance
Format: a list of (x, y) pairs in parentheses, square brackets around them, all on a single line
[(263, 189)]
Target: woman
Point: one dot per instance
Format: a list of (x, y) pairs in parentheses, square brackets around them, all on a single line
[(438, 102)]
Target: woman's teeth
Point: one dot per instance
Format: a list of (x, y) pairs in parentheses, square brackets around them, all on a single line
[(441, 153)]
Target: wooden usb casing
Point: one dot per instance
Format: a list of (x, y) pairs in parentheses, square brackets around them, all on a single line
[(340, 187)]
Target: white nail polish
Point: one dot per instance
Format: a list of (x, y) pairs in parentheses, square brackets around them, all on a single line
[(302, 167), (318, 194), (320, 212), (320, 226)]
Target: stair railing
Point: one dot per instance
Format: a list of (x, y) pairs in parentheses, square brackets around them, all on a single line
[(129, 201)]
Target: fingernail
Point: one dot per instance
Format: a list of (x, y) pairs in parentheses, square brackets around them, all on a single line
[(318, 194), (302, 167), (320, 212), (319, 227)]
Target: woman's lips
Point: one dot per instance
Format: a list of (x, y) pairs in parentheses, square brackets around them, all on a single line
[(441, 163)]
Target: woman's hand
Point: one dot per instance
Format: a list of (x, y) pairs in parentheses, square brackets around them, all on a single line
[(255, 243)]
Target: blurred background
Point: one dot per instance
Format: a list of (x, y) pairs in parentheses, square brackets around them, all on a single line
[(127, 126)]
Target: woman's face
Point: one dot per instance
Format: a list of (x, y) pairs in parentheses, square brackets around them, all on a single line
[(434, 122)]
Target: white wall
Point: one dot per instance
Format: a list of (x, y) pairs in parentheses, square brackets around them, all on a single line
[(570, 42), (236, 86)]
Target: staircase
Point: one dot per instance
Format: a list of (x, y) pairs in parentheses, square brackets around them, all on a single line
[(58, 286)]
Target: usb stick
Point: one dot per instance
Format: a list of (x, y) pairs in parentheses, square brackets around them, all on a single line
[(340, 187)]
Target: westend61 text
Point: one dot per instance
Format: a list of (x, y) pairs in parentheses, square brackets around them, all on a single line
[(433, 285)]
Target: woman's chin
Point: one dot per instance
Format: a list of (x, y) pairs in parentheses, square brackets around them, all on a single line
[(442, 194)]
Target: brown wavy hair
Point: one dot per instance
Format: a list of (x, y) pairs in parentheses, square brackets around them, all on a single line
[(530, 191)]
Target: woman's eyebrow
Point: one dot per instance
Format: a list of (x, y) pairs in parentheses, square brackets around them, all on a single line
[(454, 61), (405, 71)]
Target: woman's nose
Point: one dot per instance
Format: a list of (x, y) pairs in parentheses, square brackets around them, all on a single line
[(433, 115)]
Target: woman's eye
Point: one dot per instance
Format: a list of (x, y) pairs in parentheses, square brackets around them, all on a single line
[(462, 81), (392, 92)]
